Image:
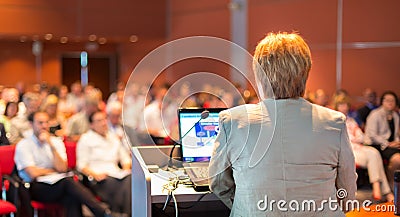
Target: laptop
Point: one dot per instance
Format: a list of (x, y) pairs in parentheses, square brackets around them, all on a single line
[(198, 129)]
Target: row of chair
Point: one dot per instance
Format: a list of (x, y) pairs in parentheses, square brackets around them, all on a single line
[(7, 166)]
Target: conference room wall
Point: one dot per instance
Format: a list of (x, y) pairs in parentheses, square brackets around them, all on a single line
[(17, 62), (368, 22)]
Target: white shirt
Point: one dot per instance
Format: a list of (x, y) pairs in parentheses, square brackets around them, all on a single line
[(29, 152), (153, 120), (116, 129), (100, 154)]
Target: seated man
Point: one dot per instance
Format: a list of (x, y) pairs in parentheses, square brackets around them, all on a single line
[(41, 155), (78, 123), (20, 127), (98, 154)]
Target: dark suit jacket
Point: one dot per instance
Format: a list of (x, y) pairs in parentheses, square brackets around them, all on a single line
[(3, 137)]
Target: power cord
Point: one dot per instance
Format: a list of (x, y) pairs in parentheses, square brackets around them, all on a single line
[(170, 188)]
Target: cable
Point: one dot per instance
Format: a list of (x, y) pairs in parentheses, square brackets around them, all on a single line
[(170, 164), (170, 187), (166, 202), (175, 203)]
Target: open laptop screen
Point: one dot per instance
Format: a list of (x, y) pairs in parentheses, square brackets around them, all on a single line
[(197, 135)]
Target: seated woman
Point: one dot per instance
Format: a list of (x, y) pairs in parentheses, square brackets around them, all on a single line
[(56, 121), (382, 131), (10, 112), (365, 156)]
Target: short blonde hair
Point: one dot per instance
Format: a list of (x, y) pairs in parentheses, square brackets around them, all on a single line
[(50, 100), (283, 60), (340, 99)]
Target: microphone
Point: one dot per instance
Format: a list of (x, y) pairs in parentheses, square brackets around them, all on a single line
[(204, 115)]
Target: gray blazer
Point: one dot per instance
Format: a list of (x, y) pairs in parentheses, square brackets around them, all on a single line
[(288, 150), (377, 129)]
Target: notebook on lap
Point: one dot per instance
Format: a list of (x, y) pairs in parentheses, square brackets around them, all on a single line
[(198, 129)]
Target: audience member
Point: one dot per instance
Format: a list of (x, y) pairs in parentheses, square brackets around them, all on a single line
[(41, 156), (10, 112), (98, 154), (76, 98), (154, 124), (43, 91), (3, 136), (20, 126), (133, 106), (64, 108), (8, 95), (307, 154), (320, 98), (20, 86), (117, 95), (114, 111), (365, 156), (56, 121), (382, 131), (370, 104), (79, 123)]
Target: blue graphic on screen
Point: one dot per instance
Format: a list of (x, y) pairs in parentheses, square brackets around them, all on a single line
[(206, 130)]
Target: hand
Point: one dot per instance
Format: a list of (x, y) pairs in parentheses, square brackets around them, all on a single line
[(44, 137), (394, 144), (100, 177)]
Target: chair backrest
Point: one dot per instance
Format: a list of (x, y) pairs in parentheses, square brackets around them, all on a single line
[(7, 159), (70, 148)]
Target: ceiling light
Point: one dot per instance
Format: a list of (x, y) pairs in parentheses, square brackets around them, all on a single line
[(63, 40), (133, 38), (48, 36), (92, 37), (102, 40)]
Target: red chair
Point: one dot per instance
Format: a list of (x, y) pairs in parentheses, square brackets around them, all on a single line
[(5, 206), (36, 205), (70, 148), (7, 165), (7, 159)]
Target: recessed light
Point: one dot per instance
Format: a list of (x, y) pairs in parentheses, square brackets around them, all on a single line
[(92, 37), (63, 40), (48, 36), (133, 38), (102, 40)]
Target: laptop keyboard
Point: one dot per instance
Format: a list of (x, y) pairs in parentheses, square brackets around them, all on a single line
[(200, 172)]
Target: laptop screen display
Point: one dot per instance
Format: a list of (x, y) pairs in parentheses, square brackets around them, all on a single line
[(197, 133)]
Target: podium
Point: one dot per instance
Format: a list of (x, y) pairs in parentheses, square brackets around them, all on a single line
[(147, 187)]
